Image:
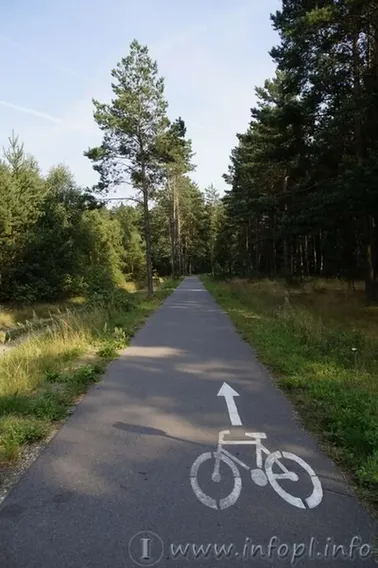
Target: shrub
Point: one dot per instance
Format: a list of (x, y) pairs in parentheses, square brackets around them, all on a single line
[(16, 431)]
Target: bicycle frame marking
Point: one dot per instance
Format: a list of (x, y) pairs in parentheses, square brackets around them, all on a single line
[(260, 449)]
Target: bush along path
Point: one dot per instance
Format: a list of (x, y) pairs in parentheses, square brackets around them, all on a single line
[(42, 378), (329, 371)]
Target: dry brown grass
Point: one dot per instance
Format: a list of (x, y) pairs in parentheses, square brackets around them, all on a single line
[(12, 315), (331, 300)]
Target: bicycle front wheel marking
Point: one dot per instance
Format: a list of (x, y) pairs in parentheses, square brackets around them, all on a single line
[(206, 499), (317, 493)]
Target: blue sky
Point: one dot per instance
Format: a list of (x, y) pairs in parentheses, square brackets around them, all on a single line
[(55, 56)]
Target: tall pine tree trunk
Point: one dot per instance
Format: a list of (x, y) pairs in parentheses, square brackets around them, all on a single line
[(178, 237), (247, 249), (172, 227), (368, 222), (287, 269), (305, 259), (315, 254), (321, 248), (147, 232), (273, 265)]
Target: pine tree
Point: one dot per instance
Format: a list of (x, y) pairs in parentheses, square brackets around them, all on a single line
[(133, 123)]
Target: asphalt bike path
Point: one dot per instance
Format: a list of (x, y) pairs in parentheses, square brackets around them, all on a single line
[(185, 454)]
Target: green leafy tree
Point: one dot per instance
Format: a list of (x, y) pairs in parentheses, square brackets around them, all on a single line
[(213, 219), (161, 243), (193, 230), (303, 197), (132, 124), (176, 154), (134, 255), (51, 263), (100, 252), (329, 53), (22, 192), (56, 239)]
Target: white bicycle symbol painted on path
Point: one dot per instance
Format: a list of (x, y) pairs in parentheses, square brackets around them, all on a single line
[(259, 476)]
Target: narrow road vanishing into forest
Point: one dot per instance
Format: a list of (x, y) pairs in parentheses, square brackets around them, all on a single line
[(135, 471)]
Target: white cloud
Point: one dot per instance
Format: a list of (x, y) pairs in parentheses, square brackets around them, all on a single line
[(32, 112)]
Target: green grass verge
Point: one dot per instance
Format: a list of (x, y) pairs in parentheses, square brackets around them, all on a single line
[(42, 378), (330, 372)]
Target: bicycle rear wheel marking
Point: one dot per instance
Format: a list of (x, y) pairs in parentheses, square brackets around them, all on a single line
[(210, 501)]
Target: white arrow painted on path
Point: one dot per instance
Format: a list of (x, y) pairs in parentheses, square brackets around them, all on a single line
[(229, 393)]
